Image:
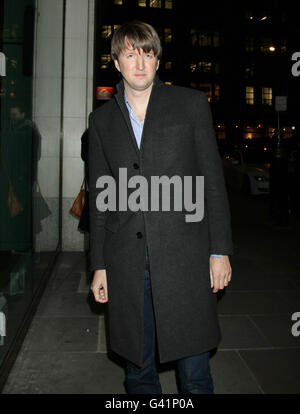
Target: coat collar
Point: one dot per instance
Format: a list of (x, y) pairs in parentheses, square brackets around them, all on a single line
[(121, 102)]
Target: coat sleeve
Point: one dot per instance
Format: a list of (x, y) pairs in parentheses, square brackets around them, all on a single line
[(216, 205), (98, 167)]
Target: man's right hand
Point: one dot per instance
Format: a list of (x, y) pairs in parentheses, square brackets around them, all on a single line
[(99, 286)]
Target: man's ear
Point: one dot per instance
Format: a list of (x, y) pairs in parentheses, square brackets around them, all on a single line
[(117, 66)]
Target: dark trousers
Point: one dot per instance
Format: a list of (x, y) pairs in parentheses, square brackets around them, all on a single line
[(193, 372)]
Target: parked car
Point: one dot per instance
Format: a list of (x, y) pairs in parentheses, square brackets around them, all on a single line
[(247, 169)]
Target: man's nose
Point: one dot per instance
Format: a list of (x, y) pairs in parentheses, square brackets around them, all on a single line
[(140, 62)]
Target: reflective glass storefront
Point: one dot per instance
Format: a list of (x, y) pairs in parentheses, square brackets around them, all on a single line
[(29, 164)]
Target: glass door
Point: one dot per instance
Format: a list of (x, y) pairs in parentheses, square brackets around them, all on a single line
[(29, 151)]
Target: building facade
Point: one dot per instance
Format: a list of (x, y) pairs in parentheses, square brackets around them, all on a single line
[(238, 54)]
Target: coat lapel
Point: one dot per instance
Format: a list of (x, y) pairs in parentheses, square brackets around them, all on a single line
[(121, 102)]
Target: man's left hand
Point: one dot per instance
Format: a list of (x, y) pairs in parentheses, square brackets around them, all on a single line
[(220, 272)]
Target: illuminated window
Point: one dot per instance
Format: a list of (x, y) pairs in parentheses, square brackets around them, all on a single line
[(142, 3), (119, 2), (168, 35), (252, 132), (168, 65), (193, 85), (270, 131), (266, 96), (205, 66), (168, 83), (106, 32), (204, 39), (212, 91), (287, 132), (194, 36), (116, 27), (105, 59), (207, 88), (249, 95), (217, 93), (220, 132), (193, 67), (267, 45), (249, 44), (168, 4), (155, 3)]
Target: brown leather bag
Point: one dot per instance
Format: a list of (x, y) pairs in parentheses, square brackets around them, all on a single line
[(14, 205), (78, 204)]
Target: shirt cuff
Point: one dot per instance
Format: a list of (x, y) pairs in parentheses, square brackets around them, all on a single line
[(216, 255)]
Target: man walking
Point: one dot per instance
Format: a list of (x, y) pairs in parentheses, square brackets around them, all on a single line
[(158, 271)]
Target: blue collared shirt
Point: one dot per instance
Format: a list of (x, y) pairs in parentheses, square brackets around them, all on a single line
[(137, 127)]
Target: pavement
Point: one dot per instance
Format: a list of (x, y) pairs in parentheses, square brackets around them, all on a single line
[(65, 349)]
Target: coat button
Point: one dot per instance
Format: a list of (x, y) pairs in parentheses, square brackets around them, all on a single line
[(136, 166), (139, 235)]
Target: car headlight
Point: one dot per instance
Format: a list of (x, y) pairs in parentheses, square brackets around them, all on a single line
[(260, 178)]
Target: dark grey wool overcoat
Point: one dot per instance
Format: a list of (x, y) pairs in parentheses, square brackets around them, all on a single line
[(178, 139)]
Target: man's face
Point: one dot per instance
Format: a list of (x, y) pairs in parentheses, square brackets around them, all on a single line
[(137, 67), (16, 115)]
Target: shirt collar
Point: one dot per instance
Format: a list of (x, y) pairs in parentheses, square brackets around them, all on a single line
[(126, 99), (131, 111)]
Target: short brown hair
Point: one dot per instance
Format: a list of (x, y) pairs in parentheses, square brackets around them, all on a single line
[(140, 35)]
